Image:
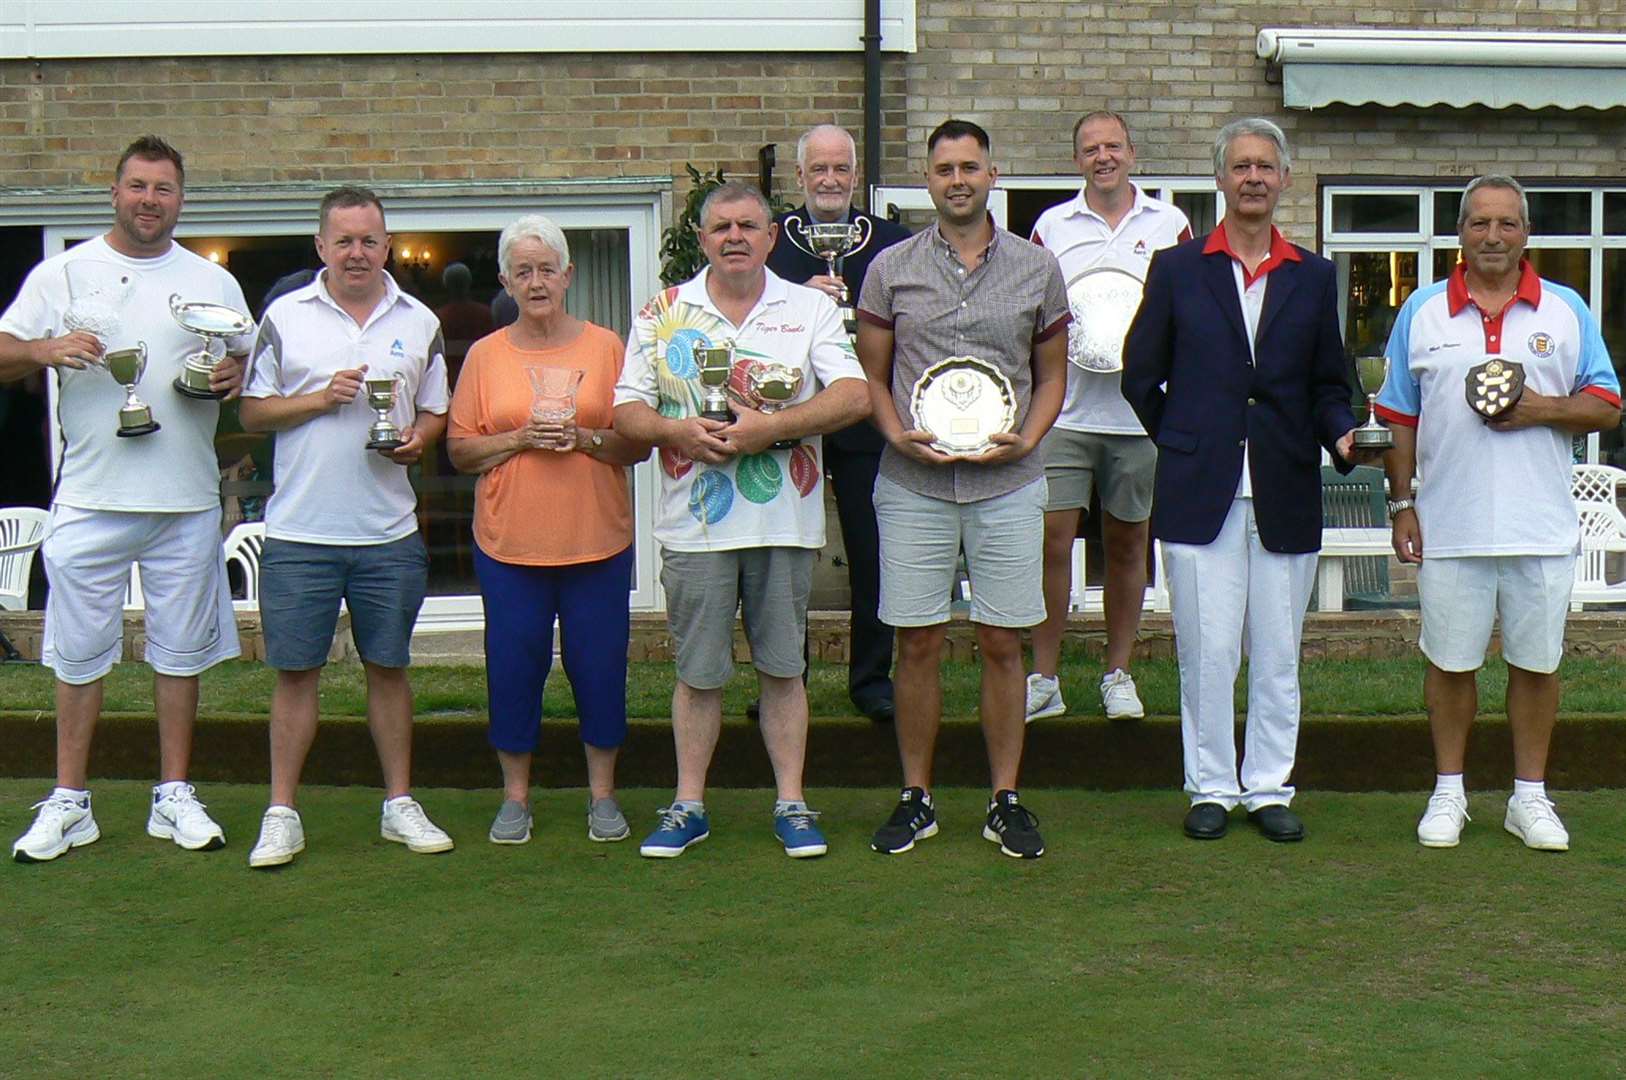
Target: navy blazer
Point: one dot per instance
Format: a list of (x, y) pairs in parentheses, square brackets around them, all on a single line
[(1189, 377)]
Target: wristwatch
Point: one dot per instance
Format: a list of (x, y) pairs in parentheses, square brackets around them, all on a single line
[(1397, 505), (595, 441)]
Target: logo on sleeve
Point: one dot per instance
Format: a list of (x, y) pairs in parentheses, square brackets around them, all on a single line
[(1541, 344)]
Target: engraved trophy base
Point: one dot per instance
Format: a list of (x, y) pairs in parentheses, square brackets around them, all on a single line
[(849, 319), (384, 444), (723, 415), (133, 422), (384, 437), (1374, 438), (184, 384)]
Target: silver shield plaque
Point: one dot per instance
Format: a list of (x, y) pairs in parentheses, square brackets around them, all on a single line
[(962, 402), (1104, 300)]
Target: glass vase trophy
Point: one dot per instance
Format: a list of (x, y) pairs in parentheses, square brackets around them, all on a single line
[(97, 295)]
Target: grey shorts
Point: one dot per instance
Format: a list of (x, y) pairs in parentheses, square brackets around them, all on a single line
[(1121, 466), (300, 589), (921, 541), (769, 585)]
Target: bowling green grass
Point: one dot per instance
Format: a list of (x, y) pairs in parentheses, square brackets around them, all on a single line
[(1331, 687), (1128, 951)]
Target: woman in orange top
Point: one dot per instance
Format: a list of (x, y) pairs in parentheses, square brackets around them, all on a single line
[(552, 523)]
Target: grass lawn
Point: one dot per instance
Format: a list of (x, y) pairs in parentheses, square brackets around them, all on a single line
[(1331, 687), (1127, 951)]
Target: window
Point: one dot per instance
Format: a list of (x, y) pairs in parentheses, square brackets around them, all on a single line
[(1377, 238)]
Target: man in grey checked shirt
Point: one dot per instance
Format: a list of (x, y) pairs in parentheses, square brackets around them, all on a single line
[(963, 287)]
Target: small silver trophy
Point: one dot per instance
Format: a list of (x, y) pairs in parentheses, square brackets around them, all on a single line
[(382, 393), (830, 240), (127, 366), (775, 386), (716, 363), (1373, 372), (213, 323)]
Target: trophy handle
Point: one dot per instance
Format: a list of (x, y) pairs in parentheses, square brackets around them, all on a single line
[(796, 230), (865, 230)]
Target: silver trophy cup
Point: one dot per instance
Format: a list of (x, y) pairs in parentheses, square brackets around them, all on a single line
[(214, 323), (127, 366), (830, 240), (1372, 371), (382, 393), (775, 386), (716, 363)]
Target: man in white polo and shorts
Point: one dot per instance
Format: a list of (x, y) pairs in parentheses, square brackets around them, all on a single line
[(1493, 528), (740, 519), (153, 499), (1111, 228), (342, 521)]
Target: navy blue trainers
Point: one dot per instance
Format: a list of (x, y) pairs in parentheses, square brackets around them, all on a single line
[(914, 819), (679, 830), (794, 824)]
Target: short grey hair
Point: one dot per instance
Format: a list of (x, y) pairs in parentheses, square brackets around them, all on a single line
[(825, 129), (1253, 125), (1494, 180), (536, 227), (735, 191)]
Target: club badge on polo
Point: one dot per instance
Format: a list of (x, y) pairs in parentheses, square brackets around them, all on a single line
[(1373, 372), (382, 394), (214, 323), (1494, 387), (962, 402)]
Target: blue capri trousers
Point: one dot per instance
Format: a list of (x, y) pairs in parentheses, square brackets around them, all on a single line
[(590, 602)]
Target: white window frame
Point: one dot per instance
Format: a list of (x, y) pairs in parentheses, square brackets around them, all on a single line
[(639, 208)]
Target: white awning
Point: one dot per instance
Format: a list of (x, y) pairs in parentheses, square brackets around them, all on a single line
[(1447, 67)]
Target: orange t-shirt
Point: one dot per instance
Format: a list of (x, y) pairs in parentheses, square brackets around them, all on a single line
[(543, 507)]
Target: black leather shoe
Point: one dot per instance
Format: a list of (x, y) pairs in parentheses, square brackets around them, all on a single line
[(881, 710), (1277, 823), (1206, 821)]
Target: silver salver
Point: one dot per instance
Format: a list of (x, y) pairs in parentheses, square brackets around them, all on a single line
[(1104, 300), (962, 402)]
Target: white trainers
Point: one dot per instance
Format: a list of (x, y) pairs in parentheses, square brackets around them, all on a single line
[(179, 816), (405, 822), (282, 836), (1443, 818), (63, 822), (1044, 698), (1118, 696), (1532, 819)]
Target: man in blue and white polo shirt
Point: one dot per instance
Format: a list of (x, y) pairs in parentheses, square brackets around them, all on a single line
[(741, 511), (1493, 506)]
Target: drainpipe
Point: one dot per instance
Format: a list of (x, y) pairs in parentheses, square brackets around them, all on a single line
[(872, 100)]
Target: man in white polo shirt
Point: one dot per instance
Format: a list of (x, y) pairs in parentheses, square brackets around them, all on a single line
[(342, 520), (152, 499), (741, 513), (1110, 228), (1494, 527)]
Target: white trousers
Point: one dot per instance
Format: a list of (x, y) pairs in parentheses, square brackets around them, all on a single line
[(1230, 595)]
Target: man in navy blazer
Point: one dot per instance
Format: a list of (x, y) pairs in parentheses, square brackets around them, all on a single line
[(1236, 368)]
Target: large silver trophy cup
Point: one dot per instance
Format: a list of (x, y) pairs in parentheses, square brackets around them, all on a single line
[(831, 240), (214, 323), (776, 386)]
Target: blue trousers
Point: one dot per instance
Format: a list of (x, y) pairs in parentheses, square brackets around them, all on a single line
[(590, 602)]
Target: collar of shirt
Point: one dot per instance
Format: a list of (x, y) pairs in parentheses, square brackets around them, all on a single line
[(947, 248), (694, 292), (317, 290), (1280, 252), (1081, 206), (1528, 289)]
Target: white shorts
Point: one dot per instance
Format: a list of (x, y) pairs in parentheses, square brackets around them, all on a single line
[(1462, 596), (190, 624)]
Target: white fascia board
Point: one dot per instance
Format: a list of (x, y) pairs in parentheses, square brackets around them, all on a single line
[(57, 29)]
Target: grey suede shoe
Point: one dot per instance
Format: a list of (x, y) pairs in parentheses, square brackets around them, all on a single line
[(513, 823), (605, 822)]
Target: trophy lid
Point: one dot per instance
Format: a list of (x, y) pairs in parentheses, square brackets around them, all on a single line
[(210, 320)]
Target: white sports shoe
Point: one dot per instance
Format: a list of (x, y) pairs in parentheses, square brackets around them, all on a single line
[(282, 836), (62, 823), (1532, 819), (405, 822), (179, 816), (1044, 698), (1118, 696), (1443, 818)]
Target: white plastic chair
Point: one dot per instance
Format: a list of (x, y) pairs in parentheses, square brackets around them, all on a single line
[(243, 546), (1603, 533), (22, 530), (1597, 484)]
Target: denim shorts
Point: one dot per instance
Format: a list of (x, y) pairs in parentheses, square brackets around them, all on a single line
[(301, 586)]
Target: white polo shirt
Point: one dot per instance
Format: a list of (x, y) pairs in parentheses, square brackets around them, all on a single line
[(1482, 491), (174, 469), (330, 489), (1082, 240), (771, 499)]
